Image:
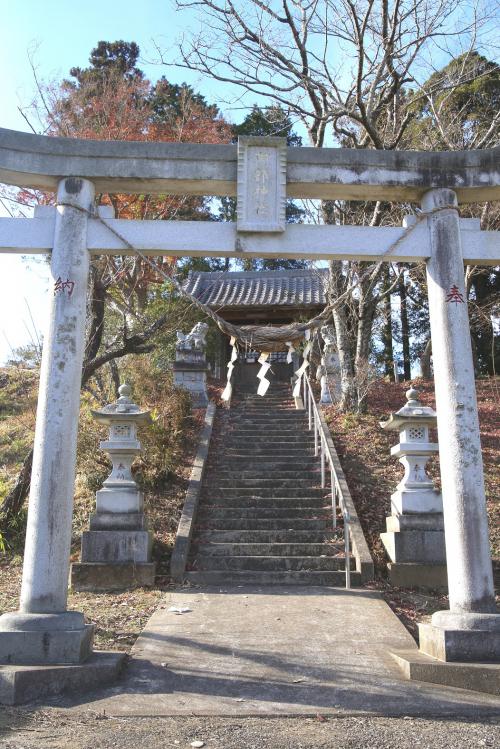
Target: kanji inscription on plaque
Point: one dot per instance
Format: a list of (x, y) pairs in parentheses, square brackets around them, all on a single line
[(261, 184)]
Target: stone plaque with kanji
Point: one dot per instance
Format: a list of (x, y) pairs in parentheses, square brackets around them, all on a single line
[(261, 184)]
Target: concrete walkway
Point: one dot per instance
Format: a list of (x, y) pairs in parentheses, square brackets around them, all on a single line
[(275, 651)]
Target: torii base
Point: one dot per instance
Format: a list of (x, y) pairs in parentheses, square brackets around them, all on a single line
[(477, 677), (21, 684)]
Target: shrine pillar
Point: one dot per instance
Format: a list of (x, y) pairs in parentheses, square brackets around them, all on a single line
[(43, 631), (470, 630)]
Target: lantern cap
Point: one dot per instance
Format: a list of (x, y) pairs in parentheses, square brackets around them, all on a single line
[(123, 409), (412, 411)]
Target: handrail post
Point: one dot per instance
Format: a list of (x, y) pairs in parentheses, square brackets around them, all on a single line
[(347, 547), (322, 442), (334, 496), (309, 406), (316, 432)]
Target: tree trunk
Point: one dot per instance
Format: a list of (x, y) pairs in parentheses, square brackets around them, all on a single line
[(115, 376), (362, 367), (348, 392), (425, 361), (405, 329), (13, 502), (345, 348), (387, 333)]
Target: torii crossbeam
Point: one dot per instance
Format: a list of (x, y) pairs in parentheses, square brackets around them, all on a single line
[(262, 173)]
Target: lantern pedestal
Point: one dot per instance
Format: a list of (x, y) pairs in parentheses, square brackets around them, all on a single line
[(116, 551), (414, 539)]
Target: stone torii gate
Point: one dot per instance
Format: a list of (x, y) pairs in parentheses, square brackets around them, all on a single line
[(262, 173)]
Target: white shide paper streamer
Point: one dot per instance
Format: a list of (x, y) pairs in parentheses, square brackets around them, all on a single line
[(228, 390), (261, 374), (303, 367)]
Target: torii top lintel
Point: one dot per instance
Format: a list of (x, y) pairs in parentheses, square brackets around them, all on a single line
[(38, 161)]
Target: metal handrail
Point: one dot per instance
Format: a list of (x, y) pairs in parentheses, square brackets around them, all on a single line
[(322, 448)]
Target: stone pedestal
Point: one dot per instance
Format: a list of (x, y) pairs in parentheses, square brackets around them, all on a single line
[(414, 539), (116, 551), (190, 366)]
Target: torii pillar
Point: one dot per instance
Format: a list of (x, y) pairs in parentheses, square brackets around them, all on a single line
[(470, 630), (43, 632)]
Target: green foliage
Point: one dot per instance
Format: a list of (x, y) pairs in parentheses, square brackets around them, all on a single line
[(18, 390), (464, 96), (109, 58), (13, 536), (268, 121), (168, 101)]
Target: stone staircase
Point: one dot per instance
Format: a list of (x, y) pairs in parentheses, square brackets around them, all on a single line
[(263, 517)]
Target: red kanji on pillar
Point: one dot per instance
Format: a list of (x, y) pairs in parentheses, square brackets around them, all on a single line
[(455, 295)]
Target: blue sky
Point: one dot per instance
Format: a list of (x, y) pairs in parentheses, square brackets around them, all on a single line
[(60, 35)]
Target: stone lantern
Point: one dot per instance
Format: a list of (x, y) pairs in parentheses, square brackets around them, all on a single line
[(415, 537), (116, 551)]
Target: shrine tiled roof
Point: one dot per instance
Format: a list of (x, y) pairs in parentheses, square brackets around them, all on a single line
[(294, 288)]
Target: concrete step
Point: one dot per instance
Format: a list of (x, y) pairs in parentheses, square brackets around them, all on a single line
[(265, 413), (267, 549), (266, 564), (268, 446), (317, 501), (270, 536), (268, 441), (302, 577), (264, 464), (257, 524), (214, 512), (268, 438), (284, 420), (257, 453), (262, 491), (267, 482), (271, 427), (255, 473)]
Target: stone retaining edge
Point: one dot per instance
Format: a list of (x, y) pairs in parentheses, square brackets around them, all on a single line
[(364, 561), (178, 561)]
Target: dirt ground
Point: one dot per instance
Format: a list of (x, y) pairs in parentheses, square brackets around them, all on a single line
[(54, 729)]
